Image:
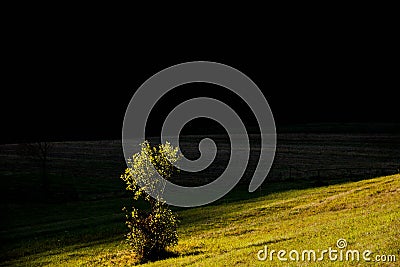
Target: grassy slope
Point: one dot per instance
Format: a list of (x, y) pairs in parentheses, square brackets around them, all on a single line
[(365, 213)]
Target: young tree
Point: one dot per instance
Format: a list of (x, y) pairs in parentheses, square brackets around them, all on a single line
[(151, 230), (39, 152)]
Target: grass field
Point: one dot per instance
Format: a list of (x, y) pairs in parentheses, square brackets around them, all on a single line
[(365, 213), (82, 223)]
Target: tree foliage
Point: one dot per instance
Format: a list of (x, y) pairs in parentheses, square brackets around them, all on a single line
[(151, 230)]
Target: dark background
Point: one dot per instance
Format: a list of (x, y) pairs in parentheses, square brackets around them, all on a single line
[(68, 81)]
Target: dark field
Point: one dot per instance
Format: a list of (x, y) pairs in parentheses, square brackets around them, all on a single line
[(90, 169)]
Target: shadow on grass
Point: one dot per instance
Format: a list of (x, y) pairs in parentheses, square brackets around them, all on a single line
[(160, 255), (267, 242), (168, 255)]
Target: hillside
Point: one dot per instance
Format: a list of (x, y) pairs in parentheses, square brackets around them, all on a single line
[(365, 213)]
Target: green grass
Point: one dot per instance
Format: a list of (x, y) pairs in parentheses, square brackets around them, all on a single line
[(231, 232)]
